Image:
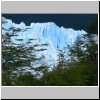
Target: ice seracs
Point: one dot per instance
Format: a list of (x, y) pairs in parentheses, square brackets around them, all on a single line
[(56, 37)]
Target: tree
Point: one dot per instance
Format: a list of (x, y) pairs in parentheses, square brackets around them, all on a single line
[(15, 53), (85, 63), (93, 27)]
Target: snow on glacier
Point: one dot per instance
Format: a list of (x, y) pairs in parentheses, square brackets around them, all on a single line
[(56, 37)]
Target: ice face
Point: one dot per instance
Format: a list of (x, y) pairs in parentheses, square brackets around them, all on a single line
[(56, 37)]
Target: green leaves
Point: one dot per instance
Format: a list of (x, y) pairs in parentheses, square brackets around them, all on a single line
[(79, 68)]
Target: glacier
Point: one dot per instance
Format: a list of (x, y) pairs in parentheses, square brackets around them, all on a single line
[(56, 37)]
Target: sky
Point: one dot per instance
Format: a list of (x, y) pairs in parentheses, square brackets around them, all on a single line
[(75, 21)]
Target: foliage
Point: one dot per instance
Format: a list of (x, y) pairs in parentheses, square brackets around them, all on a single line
[(77, 68), (93, 27)]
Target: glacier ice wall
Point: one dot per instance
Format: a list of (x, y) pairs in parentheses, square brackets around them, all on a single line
[(56, 37)]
